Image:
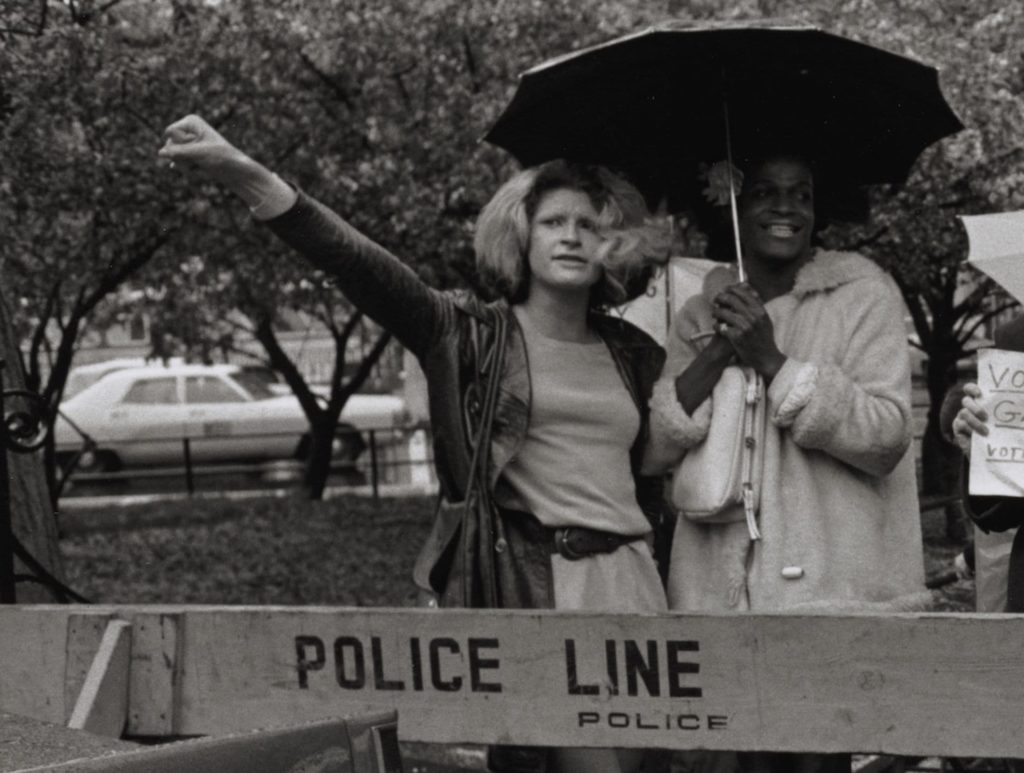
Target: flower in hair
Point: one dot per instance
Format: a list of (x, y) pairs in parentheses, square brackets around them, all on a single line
[(717, 178)]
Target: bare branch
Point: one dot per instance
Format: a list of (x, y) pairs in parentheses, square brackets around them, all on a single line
[(965, 335), (26, 27), (339, 392), (140, 256), (39, 334), (973, 300), (366, 366), (397, 76), (471, 67), (339, 91), (283, 364), (917, 312)]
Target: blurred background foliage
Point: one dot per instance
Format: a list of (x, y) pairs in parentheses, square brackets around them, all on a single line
[(378, 109)]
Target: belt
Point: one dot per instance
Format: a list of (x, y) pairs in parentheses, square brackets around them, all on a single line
[(576, 542), (570, 542)]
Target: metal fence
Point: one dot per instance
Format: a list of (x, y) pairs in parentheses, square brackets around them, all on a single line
[(391, 455)]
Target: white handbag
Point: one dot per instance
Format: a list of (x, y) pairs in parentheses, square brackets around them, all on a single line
[(719, 480)]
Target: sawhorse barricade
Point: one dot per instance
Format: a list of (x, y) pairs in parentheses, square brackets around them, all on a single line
[(905, 684)]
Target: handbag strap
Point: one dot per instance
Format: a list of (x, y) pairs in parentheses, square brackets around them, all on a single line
[(753, 396), (476, 481)]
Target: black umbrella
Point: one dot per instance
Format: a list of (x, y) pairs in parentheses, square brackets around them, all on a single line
[(652, 103)]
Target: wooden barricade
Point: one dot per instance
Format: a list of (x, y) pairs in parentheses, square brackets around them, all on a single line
[(353, 745), (908, 684)]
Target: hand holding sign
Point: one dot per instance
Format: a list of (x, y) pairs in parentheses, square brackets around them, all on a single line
[(970, 419), (997, 455)]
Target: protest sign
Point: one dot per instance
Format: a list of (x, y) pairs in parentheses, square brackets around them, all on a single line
[(997, 459)]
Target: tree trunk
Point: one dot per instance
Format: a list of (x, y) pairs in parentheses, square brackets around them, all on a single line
[(32, 515), (318, 463), (940, 460)]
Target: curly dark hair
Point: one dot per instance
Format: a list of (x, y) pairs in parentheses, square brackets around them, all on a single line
[(834, 201)]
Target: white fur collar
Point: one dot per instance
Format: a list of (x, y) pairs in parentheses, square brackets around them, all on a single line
[(826, 270), (829, 269)]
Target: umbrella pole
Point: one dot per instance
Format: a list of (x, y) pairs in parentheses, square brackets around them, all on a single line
[(734, 211)]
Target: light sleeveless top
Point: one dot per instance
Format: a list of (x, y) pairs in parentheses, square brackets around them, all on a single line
[(573, 468)]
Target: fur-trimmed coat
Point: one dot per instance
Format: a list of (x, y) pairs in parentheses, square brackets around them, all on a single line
[(839, 501)]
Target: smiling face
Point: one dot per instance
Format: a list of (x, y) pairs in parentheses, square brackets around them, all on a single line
[(564, 241), (776, 210)]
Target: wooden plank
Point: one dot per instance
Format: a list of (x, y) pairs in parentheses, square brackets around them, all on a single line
[(84, 634), (154, 693), (324, 746), (33, 660), (930, 684), (102, 705), (918, 685)]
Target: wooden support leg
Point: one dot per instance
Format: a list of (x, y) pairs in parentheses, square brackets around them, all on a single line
[(102, 704)]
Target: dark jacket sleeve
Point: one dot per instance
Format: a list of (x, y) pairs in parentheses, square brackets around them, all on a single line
[(991, 513), (371, 278)]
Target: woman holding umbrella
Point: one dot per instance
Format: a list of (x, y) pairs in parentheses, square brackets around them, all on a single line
[(567, 385), (838, 517)]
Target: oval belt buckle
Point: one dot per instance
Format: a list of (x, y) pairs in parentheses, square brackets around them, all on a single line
[(562, 542)]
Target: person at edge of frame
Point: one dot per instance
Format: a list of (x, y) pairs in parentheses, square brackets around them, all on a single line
[(997, 518)]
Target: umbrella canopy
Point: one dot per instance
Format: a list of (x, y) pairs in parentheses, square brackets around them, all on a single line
[(651, 104), (997, 248)]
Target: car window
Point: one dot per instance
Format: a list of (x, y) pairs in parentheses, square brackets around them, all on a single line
[(256, 383), (79, 381), (152, 391), (209, 389)]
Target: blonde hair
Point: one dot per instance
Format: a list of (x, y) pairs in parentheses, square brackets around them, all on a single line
[(631, 242)]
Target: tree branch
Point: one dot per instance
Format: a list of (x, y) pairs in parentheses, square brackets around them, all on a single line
[(973, 300), (340, 392), (35, 30), (338, 90), (111, 280), (471, 67), (38, 336), (917, 313), (368, 361), (397, 77), (282, 363), (965, 335)]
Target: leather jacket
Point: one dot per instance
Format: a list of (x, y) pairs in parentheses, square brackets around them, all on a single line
[(437, 328)]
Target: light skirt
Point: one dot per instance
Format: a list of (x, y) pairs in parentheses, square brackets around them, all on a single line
[(625, 580)]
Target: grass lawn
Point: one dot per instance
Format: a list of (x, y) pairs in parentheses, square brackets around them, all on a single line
[(346, 551)]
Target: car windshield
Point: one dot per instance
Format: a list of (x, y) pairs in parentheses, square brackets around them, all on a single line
[(254, 384)]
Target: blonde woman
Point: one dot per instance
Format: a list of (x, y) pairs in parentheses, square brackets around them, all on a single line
[(556, 244)]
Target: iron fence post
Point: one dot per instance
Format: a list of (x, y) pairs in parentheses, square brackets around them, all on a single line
[(374, 482), (190, 484), (8, 594)]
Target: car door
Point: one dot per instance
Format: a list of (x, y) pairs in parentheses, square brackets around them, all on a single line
[(215, 419), (146, 424)]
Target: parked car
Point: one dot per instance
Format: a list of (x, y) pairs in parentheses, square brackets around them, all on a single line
[(82, 376), (140, 415)]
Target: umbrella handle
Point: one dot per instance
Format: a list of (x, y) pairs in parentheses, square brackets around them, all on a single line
[(733, 208)]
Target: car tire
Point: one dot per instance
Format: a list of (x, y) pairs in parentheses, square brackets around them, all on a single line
[(348, 444), (98, 461)]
